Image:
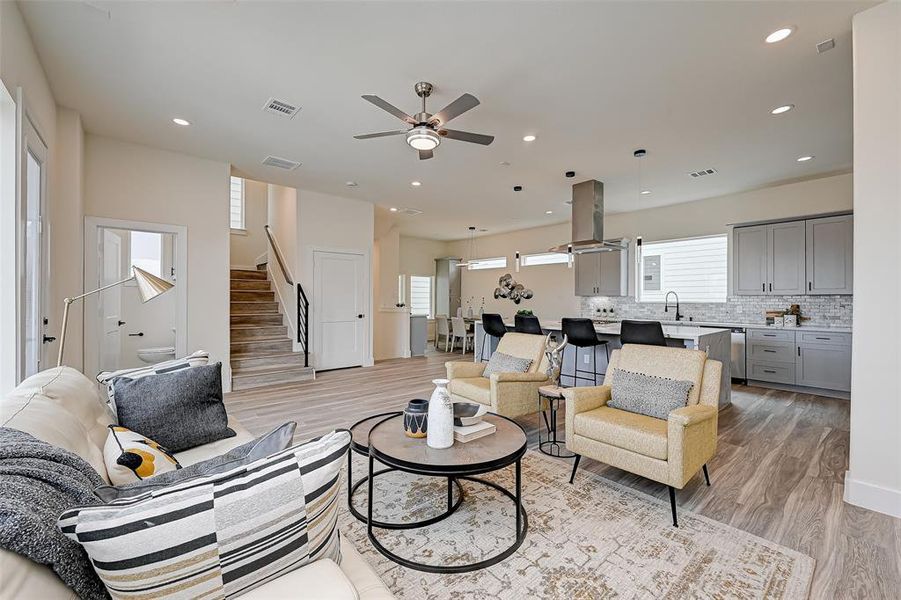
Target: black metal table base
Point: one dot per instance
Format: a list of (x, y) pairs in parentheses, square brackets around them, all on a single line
[(552, 446), (522, 522)]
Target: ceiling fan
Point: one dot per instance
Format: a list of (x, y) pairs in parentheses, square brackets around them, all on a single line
[(427, 129)]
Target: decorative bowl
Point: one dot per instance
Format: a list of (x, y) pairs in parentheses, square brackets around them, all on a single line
[(468, 413)]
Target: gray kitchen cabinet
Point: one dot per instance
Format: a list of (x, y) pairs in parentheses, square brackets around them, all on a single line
[(830, 268), (588, 274), (825, 366), (786, 258), (602, 273), (749, 260), (614, 273)]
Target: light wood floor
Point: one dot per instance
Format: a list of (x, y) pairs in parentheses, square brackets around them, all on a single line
[(778, 470)]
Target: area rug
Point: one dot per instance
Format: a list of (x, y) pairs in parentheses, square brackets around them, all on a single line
[(592, 540)]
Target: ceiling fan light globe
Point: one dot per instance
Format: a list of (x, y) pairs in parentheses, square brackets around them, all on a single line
[(423, 138)]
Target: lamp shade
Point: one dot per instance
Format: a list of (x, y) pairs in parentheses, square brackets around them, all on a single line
[(150, 286)]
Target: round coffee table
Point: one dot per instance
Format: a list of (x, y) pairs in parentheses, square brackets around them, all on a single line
[(462, 461)]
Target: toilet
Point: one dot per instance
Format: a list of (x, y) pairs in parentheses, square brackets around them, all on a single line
[(156, 355)]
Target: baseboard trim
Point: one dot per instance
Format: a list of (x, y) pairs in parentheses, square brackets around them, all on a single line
[(872, 496)]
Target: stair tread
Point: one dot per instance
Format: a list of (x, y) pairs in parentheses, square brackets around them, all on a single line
[(255, 325), (274, 355), (268, 369)]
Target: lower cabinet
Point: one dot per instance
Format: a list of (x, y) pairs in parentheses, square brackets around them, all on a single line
[(792, 357)]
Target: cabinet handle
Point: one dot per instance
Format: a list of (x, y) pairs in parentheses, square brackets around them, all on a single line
[(771, 287), (823, 338), (809, 286), (769, 371), (773, 351), (799, 350), (762, 287), (769, 335)]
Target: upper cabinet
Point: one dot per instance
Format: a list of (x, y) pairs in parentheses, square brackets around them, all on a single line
[(602, 273), (830, 266), (812, 256)]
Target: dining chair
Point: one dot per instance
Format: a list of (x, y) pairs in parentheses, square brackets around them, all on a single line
[(459, 331), (442, 327)]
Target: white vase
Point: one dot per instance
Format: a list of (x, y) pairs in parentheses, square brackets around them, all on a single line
[(441, 417)]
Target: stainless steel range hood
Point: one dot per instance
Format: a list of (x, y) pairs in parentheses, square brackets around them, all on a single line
[(587, 221)]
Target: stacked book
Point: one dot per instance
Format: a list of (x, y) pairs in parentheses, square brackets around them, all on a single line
[(472, 428)]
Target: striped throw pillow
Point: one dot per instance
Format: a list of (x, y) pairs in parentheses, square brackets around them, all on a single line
[(222, 535), (106, 378)]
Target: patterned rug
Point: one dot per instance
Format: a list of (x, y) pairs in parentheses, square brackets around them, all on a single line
[(592, 540)]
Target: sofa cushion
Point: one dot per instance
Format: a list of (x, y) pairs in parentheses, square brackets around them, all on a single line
[(105, 379), (648, 394), (504, 363), (477, 389), (61, 407), (130, 457), (179, 410), (525, 345), (207, 451), (219, 535), (322, 580), (629, 431), (275, 441), (660, 361)]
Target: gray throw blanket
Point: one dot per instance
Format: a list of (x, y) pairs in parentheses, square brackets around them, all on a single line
[(38, 481)]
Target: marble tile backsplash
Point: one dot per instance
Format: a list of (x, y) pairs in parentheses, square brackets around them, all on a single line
[(824, 311)]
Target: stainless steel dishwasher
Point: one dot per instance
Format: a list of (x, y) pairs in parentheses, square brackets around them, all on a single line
[(738, 353)]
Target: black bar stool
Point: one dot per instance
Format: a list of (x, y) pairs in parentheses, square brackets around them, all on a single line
[(648, 333), (526, 324), (493, 325), (580, 333)]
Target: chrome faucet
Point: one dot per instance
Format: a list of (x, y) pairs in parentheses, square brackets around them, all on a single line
[(679, 315)]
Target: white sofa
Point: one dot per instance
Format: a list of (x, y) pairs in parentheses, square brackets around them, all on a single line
[(63, 407)]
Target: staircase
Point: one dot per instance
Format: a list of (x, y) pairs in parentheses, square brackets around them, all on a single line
[(261, 349)]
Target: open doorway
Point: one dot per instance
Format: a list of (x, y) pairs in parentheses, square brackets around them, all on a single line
[(120, 331)]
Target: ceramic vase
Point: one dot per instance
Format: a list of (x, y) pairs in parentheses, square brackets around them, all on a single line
[(416, 418), (441, 417)]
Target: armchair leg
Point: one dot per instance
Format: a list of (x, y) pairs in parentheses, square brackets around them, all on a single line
[(672, 502), (575, 466), (706, 475)]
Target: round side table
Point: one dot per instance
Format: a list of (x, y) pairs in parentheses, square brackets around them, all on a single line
[(553, 395)]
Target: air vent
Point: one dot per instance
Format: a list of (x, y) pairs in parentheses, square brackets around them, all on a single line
[(282, 108), (826, 45), (703, 173), (280, 163), (409, 211)]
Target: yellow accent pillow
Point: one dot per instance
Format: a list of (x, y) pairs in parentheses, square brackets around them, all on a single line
[(131, 457)]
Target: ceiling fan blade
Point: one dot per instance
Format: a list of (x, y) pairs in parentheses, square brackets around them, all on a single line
[(367, 136), (454, 109), (465, 136), (390, 108), (425, 154)]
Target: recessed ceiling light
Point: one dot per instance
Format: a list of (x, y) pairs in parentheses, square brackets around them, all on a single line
[(805, 158), (517, 188), (528, 138), (351, 183), (779, 35), (393, 209), (548, 212), (645, 192), (782, 109), (180, 121), (505, 163), (416, 183)]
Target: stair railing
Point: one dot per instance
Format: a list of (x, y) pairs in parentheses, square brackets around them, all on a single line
[(303, 304)]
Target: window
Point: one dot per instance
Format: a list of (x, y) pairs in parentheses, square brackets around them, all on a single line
[(237, 203), (420, 295), (694, 268), (544, 258), (146, 252), (488, 263)]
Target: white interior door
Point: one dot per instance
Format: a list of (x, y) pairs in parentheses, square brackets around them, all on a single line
[(111, 302), (34, 191), (341, 319)]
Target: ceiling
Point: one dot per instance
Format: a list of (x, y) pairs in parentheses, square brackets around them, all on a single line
[(692, 82)]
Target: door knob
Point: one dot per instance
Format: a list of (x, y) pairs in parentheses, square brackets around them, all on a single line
[(359, 316), (48, 338), (121, 323)]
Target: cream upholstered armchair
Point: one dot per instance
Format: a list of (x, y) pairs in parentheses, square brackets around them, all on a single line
[(670, 451), (507, 394)]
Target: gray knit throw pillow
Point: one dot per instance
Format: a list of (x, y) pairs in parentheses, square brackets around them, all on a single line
[(647, 394), (504, 363)]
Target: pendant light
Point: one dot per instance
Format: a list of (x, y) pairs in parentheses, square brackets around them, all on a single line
[(516, 262), (472, 246), (639, 154), (569, 256)]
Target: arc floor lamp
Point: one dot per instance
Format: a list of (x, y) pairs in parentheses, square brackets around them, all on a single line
[(149, 287)]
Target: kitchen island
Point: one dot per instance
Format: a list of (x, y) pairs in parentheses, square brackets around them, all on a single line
[(713, 340)]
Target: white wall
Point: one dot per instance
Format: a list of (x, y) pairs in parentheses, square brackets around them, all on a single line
[(417, 255), (132, 182), (874, 477), (282, 219), (553, 284), (248, 245)]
